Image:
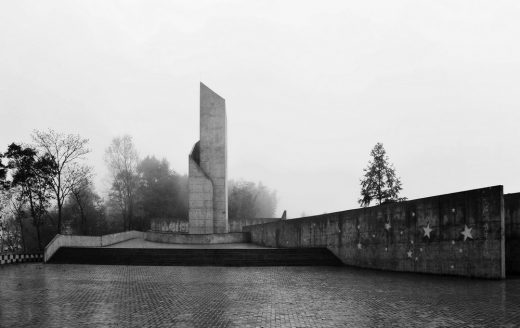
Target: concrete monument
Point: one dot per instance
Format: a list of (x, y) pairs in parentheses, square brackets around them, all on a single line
[(208, 201)]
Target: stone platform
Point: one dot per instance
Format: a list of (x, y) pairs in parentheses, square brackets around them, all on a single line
[(141, 243)]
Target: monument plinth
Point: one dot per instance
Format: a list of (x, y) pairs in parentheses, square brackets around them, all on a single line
[(208, 201)]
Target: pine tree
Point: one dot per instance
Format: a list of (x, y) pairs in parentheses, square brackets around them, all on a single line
[(380, 182)]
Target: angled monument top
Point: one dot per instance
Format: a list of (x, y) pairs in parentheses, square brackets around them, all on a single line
[(204, 89), (208, 167)]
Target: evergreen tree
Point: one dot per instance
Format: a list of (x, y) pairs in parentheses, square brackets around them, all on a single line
[(380, 182), (34, 175)]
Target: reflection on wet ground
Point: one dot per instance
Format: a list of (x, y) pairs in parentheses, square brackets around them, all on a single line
[(38, 295)]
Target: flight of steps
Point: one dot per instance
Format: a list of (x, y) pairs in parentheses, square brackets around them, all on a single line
[(197, 257)]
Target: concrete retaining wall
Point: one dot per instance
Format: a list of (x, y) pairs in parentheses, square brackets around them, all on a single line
[(512, 220), (395, 236), (169, 225), (181, 226), (215, 238), (237, 225), (87, 241)]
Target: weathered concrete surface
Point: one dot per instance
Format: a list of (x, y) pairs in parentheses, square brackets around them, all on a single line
[(141, 243), (69, 241), (238, 225), (200, 198), (87, 241), (215, 238), (512, 218), (394, 236), (169, 225), (208, 202), (115, 238), (181, 226)]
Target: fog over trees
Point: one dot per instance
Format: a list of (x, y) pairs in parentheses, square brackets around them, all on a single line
[(249, 200), (46, 187)]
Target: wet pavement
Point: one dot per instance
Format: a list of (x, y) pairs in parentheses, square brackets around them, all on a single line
[(52, 295)]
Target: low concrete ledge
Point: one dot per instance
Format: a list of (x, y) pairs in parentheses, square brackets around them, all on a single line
[(115, 238), (87, 241), (214, 238)]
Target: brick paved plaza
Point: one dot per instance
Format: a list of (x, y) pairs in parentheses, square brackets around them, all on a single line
[(37, 295)]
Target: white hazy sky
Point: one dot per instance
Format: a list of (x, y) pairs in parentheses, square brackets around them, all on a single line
[(310, 87)]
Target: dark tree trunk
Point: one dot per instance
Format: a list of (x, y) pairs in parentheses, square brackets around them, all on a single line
[(39, 237), (82, 214), (20, 222), (59, 215)]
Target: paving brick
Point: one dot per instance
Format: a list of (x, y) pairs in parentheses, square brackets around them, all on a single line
[(37, 295)]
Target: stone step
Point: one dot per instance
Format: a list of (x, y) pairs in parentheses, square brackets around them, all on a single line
[(197, 257)]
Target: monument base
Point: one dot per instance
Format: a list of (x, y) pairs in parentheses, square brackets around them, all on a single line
[(212, 238)]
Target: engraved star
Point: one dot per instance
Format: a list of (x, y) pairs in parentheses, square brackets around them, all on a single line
[(466, 233), (387, 226), (359, 245), (427, 231), (409, 253)]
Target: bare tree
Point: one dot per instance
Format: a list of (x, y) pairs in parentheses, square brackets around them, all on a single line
[(67, 150), (81, 185), (122, 160)]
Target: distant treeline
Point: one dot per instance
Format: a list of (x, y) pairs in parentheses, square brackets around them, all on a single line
[(46, 187)]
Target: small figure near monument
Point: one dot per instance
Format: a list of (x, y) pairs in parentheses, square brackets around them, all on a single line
[(208, 198)]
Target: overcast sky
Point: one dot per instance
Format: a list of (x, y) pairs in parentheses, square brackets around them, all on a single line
[(310, 87)]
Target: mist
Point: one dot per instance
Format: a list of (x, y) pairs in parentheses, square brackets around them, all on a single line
[(310, 88)]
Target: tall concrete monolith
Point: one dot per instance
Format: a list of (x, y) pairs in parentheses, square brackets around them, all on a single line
[(208, 201)]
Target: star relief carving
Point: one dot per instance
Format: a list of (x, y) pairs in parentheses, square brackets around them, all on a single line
[(409, 253), (388, 226), (359, 246), (427, 231), (467, 232)]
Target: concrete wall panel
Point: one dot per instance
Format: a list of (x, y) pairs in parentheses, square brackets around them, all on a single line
[(512, 219), (211, 165), (200, 200), (392, 236), (223, 238)]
